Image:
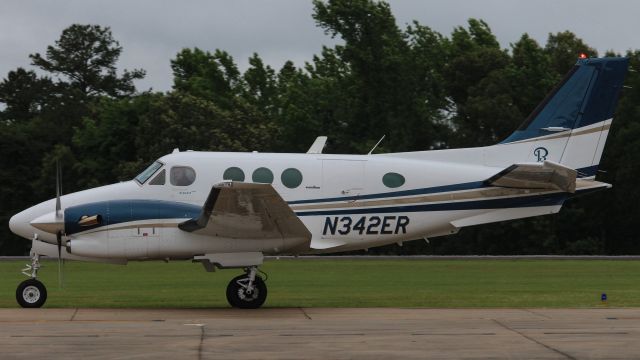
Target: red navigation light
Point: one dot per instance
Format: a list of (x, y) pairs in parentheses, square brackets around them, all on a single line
[(582, 56)]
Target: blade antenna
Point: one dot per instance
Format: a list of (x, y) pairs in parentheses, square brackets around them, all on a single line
[(376, 145)]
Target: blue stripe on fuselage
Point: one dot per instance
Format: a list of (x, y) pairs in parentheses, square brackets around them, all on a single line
[(501, 203), (512, 202), (121, 211)]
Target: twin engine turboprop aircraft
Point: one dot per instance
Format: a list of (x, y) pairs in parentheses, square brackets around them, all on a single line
[(228, 210)]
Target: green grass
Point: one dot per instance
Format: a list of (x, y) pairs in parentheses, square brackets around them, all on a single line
[(343, 283)]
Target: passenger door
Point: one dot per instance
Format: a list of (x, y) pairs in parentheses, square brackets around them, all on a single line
[(343, 178)]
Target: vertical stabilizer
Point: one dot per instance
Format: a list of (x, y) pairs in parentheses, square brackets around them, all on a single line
[(571, 124)]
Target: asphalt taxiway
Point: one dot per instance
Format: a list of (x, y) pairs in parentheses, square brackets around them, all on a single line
[(320, 333)]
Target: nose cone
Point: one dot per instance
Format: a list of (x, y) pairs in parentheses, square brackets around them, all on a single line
[(19, 225), (50, 222)]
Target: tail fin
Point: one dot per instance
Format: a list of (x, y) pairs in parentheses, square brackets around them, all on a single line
[(571, 124)]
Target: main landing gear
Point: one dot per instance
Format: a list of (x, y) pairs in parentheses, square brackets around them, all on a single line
[(31, 293), (247, 291)]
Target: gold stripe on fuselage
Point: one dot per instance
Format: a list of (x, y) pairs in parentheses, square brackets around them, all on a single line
[(492, 192)]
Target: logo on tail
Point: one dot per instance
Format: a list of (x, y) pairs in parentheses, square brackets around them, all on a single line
[(541, 153)]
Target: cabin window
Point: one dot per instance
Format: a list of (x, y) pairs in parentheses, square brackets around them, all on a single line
[(262, 175), (233, 174), (291, 178), (393, 180), (182, 176), (159, 179), (148, 172)]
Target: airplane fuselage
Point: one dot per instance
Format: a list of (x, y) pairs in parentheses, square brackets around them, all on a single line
[(347, 202)]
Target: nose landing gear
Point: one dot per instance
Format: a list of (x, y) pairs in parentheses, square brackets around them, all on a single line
[(31, 293), (247, 291)]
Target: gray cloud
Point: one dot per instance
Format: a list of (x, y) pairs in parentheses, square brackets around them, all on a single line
[(153, 31)]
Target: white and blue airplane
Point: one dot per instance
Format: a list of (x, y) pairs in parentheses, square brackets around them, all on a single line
[(228, 210)]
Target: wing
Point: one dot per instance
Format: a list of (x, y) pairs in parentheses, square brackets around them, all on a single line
[(544, 175), (247, 211)]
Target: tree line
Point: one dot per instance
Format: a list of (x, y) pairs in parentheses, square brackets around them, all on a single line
[(420, 88)]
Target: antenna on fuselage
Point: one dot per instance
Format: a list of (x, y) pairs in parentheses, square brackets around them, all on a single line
[(376, 145)]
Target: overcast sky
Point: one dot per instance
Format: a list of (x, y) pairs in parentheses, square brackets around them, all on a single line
[(153, 31)]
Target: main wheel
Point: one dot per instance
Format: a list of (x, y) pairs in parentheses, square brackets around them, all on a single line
[(238, 296), (31, 294)]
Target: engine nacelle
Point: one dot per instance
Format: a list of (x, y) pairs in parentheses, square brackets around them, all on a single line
[(88, 247), (105, 247)]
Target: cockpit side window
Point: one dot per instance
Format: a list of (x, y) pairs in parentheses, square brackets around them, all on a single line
[(148, 172), (159, 179), (182, 176)]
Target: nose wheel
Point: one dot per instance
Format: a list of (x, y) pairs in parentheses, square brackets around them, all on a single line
[(31, 293), (247, 291)]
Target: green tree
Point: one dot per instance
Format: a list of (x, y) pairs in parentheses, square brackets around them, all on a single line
[(84, 58), (24, 95), (41, 113), (477, 87), (564, 48), (106, 143), (214, 77), (529, 74), (383, 94), (260, 88)]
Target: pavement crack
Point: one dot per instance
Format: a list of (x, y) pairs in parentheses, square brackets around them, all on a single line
[(536, 313), (201, 342), (305, 314), (74, 315), (534, 340)]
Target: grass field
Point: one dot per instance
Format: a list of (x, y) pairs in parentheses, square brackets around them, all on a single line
[(343, 283)]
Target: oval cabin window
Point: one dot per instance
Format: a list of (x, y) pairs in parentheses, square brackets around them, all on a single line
[(262, 175), (182, 176), (233, 174), (291, 178), (393, 180)]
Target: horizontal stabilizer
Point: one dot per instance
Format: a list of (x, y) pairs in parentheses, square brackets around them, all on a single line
[(545, 175)]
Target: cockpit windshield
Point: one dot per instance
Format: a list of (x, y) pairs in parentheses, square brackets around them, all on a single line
[(146, 174)]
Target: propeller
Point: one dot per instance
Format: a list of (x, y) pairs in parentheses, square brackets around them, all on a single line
[(59, 217)]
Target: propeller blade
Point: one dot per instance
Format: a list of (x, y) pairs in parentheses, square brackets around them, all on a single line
[(58, 188), (59, 238)]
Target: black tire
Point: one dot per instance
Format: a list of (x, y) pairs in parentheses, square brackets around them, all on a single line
[(31, 294), (237, 296)]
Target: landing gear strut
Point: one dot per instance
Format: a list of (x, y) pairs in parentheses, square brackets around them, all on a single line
[(247, 291), (31, 293)]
